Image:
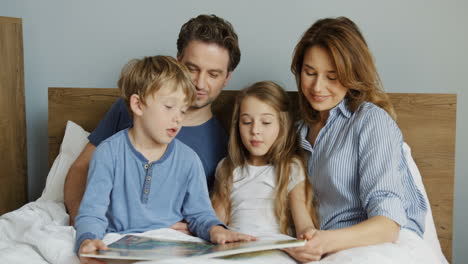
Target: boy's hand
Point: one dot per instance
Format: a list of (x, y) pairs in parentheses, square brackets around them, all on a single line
[(220, 235), (91, 246)]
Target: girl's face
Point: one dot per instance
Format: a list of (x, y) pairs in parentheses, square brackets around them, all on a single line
[(319, 80), (259, 127)]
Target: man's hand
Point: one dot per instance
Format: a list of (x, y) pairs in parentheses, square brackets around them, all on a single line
[(91, 246), (182, 227), (220, 235)]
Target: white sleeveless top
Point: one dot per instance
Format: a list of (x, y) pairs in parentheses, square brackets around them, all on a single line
[(253, 197)]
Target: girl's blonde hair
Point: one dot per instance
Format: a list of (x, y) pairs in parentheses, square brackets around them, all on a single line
[(282, 154), (354, 65)]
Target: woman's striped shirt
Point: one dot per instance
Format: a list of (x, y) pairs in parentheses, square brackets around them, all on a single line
[(358, 170)]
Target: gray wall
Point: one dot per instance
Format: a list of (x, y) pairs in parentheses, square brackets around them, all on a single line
[(419, 47)]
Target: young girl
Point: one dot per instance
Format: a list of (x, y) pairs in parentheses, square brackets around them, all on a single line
[(261, 184)]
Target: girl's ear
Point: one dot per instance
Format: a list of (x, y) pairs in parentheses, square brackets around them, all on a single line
[(136, 105)]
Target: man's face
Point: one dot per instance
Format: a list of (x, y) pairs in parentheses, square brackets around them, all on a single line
[(208, 66)]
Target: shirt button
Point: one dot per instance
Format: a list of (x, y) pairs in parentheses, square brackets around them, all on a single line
[(146, 166), (146, 191), (148, 178)]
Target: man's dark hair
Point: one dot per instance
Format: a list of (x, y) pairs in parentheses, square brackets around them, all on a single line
[(210, 29)]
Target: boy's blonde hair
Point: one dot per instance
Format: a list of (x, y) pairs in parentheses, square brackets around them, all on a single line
[(146, 76), (283, 153)]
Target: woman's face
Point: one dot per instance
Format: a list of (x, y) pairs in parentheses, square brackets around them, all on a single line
[(319, 80)]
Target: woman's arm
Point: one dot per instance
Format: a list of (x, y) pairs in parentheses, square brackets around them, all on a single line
[(375, 230)]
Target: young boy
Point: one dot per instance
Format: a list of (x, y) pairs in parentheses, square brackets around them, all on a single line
[(141, 178)]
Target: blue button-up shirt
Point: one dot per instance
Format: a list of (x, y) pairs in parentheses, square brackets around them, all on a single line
[(126, 193), (358, 170)]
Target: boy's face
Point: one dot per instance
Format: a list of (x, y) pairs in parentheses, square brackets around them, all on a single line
[(161, 117), (208, 66)]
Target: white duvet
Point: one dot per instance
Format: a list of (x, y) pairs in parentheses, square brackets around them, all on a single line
[(37, 233)]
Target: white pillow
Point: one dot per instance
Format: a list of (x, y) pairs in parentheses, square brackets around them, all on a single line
[(74, 140), (430, 234)]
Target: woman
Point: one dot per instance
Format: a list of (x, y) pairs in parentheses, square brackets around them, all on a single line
[(365, 192)]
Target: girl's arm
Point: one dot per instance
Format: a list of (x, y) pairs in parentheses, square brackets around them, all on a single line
[(299, 210), (217, 199), (220, 211), (375, 230)]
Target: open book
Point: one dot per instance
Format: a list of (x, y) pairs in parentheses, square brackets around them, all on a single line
[(143, 248)]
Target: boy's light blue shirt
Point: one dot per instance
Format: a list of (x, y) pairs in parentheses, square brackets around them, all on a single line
[(208, 140), (126, 193)]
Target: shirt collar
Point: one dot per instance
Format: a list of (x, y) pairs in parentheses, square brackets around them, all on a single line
[(343, 108), (303, 129), (141, 157)]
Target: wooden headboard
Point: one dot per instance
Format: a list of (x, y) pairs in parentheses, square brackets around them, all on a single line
[(426, 120)]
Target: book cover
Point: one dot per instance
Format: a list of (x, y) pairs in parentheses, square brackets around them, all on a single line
[(143, 248)]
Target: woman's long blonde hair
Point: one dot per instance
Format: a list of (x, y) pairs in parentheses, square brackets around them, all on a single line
[(354, 65), (284, 152)]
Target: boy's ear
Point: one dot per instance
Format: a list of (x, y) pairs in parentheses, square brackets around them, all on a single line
[(136, 105)]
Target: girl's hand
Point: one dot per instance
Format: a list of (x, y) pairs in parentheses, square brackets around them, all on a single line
[(220, 235), (314, 249), (307, 233), (182, 227), (91, 246)]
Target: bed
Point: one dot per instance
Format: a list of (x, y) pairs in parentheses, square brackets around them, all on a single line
[(37, 232)]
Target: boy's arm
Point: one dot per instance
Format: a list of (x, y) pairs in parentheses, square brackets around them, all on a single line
[(75, 182), (197, 208), (116, 119), (91, 222)]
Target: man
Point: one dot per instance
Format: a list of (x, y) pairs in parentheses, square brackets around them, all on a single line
[(209, 47)]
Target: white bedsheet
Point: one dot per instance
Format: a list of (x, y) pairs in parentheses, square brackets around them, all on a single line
[(37, 233)]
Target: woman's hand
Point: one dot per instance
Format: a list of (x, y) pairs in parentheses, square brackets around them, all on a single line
[(91, 246), (314, 249), (375, 230), (220, 235)]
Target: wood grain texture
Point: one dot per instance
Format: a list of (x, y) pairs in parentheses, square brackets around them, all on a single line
[(10, 20), (426, 120), (13, 163)]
